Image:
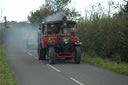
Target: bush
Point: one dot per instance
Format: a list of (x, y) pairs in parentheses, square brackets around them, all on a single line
[(105, 36)]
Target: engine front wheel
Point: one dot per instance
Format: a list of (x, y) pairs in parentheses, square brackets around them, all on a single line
[(78, 55), (51, 55)]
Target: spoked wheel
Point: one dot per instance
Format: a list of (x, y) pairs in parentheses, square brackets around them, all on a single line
[(41, 53), (51, 55), (78, 55)]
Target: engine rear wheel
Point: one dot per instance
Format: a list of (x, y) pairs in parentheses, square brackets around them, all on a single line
[(78, 55), (51, 55)]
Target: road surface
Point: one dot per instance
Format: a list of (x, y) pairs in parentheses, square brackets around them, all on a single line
[(28, 70)]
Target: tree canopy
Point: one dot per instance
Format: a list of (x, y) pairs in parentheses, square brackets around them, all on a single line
[(124, 8), (37, 16), (50, 7), (57, 5)]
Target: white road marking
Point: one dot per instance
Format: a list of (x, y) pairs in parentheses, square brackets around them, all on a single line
[(73, 79), (28, 53), (36, 58), (53, 68), (76, 81)]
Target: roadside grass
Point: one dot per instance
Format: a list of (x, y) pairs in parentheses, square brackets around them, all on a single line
[(6, 77), (121, 68)]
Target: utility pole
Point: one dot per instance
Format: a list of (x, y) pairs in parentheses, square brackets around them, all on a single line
[(5, 22)]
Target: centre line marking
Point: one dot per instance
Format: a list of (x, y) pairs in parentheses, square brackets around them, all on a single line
[(36, 58), (54, 68), (28, 53), (76, 81)]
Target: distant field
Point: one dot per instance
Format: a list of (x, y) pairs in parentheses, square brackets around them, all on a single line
[(121, 68), (6, 77)]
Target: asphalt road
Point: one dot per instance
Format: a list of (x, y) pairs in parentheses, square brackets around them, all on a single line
[(28, 70)]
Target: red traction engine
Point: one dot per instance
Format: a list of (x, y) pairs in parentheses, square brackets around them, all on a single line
[(58, 39)]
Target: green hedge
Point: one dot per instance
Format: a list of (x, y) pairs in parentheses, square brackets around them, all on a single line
[(105, 36)]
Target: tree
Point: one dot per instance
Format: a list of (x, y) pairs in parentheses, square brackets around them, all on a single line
[(57, 5), (37, 16), (110, 4), (124, 8), (62, 5), (52, 6), (72, 14)]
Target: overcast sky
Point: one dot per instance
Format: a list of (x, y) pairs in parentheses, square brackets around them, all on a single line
[(18, 10)]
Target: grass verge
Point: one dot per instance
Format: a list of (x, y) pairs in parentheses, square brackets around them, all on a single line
[(121, 68), (6, 77)]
